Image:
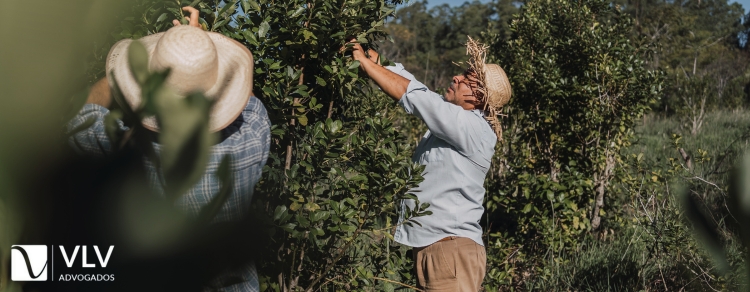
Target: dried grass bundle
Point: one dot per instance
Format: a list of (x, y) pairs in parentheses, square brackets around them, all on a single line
[(492, 87)]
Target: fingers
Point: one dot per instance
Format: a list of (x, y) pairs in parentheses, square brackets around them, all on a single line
[(351, 45), (374, 56), (358, 53), (194, 16), (192, 19)]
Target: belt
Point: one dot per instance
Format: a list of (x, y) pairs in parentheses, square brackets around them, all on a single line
[(448, 238)]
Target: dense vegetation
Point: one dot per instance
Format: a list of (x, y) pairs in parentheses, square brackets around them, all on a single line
[(621, 111)]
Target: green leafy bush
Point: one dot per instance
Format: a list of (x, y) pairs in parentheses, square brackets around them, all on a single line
[(579, 86), (337, 165)]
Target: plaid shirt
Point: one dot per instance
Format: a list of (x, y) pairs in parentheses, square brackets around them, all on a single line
[(246, 141)]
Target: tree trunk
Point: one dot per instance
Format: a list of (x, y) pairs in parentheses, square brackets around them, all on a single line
[(602, 181), (686, 158)]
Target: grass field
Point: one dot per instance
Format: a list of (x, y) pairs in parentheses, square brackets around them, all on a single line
[(656, 250), (722, 132)]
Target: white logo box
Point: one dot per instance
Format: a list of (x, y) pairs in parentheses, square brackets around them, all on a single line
[(36, 267)]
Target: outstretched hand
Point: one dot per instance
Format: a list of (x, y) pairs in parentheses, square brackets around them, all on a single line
[(391, 83), (359, 53), (192, 19)]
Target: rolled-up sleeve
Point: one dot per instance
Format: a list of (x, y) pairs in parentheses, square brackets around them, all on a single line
[(401, 71), (92, 140), (445, 120)]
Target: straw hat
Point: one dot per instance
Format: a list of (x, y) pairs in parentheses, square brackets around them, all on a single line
[(208, 62), (493, 85)]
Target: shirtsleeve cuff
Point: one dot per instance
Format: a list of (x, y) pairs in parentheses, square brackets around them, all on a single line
[(401, 71), (415, 87)]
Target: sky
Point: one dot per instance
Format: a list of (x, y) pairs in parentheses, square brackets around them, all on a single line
[(430, 3), (745, 4)]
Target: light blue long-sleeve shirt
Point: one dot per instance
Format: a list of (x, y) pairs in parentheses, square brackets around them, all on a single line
[(456, 152)]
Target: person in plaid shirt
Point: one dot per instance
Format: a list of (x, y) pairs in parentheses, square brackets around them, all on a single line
[(243, 124)]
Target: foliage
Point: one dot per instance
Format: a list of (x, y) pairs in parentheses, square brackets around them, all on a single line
[(72, 199), (578, 89), (337, 165), (36, 83), (699, 167), (694, 38), (694, 98), (428, 41), (714, 200), (341, 151)]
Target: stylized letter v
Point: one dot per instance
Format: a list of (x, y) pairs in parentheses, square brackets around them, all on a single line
[(69, 260), (28, 263)]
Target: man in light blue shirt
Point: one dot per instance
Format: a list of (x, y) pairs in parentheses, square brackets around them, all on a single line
[(456, 151)]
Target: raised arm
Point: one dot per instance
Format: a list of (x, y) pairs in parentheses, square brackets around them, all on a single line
[(445, 120), (100, 94), (391, 83)]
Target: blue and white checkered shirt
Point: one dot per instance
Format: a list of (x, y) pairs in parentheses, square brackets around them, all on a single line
[(246, 141)]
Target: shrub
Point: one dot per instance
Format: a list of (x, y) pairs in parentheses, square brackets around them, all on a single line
[(337, 165), (579, 86)]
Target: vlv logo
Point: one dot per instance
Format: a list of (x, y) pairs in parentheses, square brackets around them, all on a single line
[(84, 262), (28, 263)]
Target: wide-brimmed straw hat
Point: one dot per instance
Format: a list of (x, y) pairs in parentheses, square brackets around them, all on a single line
[(493, 84), (207, 62)]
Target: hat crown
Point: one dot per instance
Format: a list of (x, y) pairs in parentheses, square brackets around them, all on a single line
[(191, 55), (497, 86)]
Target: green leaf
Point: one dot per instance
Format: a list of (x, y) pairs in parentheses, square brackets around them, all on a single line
[(312, 207), (263, 29), (298, 11), (226, 179), (706, 232), (526, 208), (185, 139), (336, 126), (289, 227), (245, 4), (162, 17), (279, 212), (348, 228), (354, 65), (308, 35), (112, 128), (225, 8), (248, 4), (138, 61)]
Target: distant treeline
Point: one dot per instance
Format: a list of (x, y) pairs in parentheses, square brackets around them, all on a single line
[(700, 45)]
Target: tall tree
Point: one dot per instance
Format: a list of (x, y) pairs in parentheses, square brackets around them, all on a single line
[(695, 38), (429, 41), (579, 86)]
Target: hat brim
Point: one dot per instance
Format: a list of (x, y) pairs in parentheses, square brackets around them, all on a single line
[(230, 93)]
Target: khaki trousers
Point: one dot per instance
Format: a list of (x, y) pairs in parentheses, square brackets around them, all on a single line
[(452, 265)]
